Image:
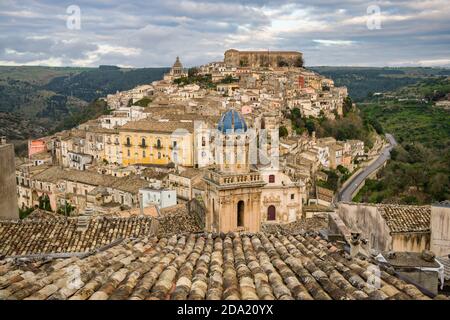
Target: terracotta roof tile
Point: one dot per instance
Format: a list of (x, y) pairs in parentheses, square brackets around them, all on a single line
[(402, 218), (203, 266)]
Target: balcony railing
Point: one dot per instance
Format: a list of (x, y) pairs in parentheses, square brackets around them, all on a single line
[(143, 146), (158, 146), (229, 179)]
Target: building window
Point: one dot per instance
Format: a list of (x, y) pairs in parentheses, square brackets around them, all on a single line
[(271, 178), (174, 144), (240, 214), (128, 141), (271, 213), (159, 154), (158, 143), (203, 141), (128, 152), (143, 142), (143, 154), (292, 196)]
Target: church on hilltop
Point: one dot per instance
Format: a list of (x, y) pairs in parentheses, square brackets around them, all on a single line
[(177, 71)]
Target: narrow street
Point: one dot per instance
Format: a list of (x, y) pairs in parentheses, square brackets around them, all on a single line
[(346, 193)]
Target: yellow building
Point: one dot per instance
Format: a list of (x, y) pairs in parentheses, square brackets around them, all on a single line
[(113, 147), (157, 142)]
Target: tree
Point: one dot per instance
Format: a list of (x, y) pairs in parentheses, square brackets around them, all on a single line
[(348, 105), (283, 131), (228, 79), (44, 203), (299, 62), (192, 71), (66, 209), (143, 102)]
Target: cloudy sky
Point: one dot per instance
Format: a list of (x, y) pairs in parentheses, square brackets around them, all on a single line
[(152, 33)]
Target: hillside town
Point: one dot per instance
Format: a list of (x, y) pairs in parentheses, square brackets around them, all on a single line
[(198, 186)]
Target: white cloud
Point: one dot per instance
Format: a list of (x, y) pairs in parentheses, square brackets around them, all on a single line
[(129, 33), (330, 43), (50, 62)]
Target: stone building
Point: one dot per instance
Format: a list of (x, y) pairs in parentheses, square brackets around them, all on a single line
[(176, 72), (440, 228), (235, 58), (388, 227), (233, 191), (8, 192), (240, 195)]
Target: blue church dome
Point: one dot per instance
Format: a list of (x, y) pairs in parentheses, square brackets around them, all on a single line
[(232, 121)]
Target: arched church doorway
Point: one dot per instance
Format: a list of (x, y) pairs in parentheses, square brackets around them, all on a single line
[(240, 214), (271, 213)]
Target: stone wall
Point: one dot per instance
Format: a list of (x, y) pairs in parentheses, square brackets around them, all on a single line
[(237, 58), (411, 242), (8, 188), (440, 229), (368, 221)]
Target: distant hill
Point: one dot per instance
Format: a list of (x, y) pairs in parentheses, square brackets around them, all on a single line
[(51, 98), (419, 169), (362, 82)]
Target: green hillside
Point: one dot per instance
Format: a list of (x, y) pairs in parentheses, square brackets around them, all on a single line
[(53, 98), (362, 82), (420, 167)]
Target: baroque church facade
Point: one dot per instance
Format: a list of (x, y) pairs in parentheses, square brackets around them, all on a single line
[(241, 195)]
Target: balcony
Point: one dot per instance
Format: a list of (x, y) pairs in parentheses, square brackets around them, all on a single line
[(225, 180), (128, 145), (143, 146), (158, 146)]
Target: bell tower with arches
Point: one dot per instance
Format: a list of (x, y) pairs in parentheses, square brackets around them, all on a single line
[(233, 191)]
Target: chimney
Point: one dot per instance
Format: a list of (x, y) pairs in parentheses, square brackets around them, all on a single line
[(355, 244), (84, 219), (141, 204)]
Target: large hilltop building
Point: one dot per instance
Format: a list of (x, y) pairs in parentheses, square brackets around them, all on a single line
[(267, 58)]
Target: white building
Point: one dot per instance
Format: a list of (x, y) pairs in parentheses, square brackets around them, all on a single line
[(162, 198), (122, 116), (79, 161)]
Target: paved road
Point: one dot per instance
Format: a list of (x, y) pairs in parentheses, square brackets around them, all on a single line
[(346, 193)]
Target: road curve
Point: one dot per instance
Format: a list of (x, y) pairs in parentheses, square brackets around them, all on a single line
[(346, 193)]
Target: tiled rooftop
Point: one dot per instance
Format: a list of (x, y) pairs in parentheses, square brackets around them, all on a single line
[(400, 218), (60, 235), (203, 266)]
